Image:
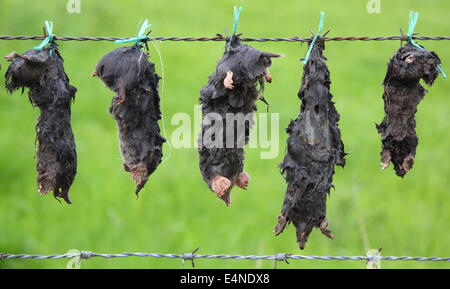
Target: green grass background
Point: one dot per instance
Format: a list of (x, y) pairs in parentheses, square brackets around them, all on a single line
[(176, 213)]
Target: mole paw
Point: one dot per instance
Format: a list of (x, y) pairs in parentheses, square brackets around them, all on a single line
[(243, 180), (385, 159), (323, 228), (221, 186), (228, 81), (46, 183), (280, 226), (11, 56), (119, 100), (407, 163)]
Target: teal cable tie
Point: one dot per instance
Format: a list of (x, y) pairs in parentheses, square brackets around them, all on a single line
[(140, 35), (322, 17), (49, 38), (237, 14), (413, 17), (441, 71)]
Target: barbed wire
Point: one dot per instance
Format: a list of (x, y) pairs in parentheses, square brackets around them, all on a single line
[(192, 256), (224, 38)]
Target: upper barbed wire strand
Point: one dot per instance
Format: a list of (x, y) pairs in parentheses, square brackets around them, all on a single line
[(222, 38)]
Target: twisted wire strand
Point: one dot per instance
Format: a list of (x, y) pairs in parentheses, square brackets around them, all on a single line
[(223, 38), (88, 254)]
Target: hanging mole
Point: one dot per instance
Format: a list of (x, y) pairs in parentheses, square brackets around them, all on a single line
[(42, 71), (228, 103), (135, 107), (402, 95), (314, 147)]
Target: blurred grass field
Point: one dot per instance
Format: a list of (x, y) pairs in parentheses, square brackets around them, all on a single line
[(176, 212)]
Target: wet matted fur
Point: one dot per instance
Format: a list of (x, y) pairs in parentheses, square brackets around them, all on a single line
[(232, 89), (314, 147), (402, 95), (42, 71), (135, 107)]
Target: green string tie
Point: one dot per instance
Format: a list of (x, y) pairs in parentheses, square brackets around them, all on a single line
[(322, 16), (50, 37), (237, 14), (413, 16), (141, 35)]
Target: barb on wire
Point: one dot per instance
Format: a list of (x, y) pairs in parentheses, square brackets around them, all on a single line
[(189, 256), (223, 38), (373, 259), (281, 257)]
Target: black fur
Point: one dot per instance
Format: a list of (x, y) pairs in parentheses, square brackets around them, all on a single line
[(249, 68), (314, 147), (49, 89), (135, 107), (402, 94)]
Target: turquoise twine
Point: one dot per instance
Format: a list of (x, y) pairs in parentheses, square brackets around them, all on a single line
[(49, 38), (413, 16), (237, 14), (140, 35), (322, 16)]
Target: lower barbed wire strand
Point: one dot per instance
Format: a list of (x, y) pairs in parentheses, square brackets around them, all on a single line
[(5, 256)]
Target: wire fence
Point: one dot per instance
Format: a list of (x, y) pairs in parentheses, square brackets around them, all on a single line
[(224, 38), (282, 257)]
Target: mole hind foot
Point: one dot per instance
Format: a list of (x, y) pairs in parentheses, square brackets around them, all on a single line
[(242, 180), (281, 225), (407, 163), (221, 186), (385, 159), (46, 183), (323, 228)]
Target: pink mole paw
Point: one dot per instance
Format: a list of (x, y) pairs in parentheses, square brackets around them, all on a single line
[(243, 180)]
